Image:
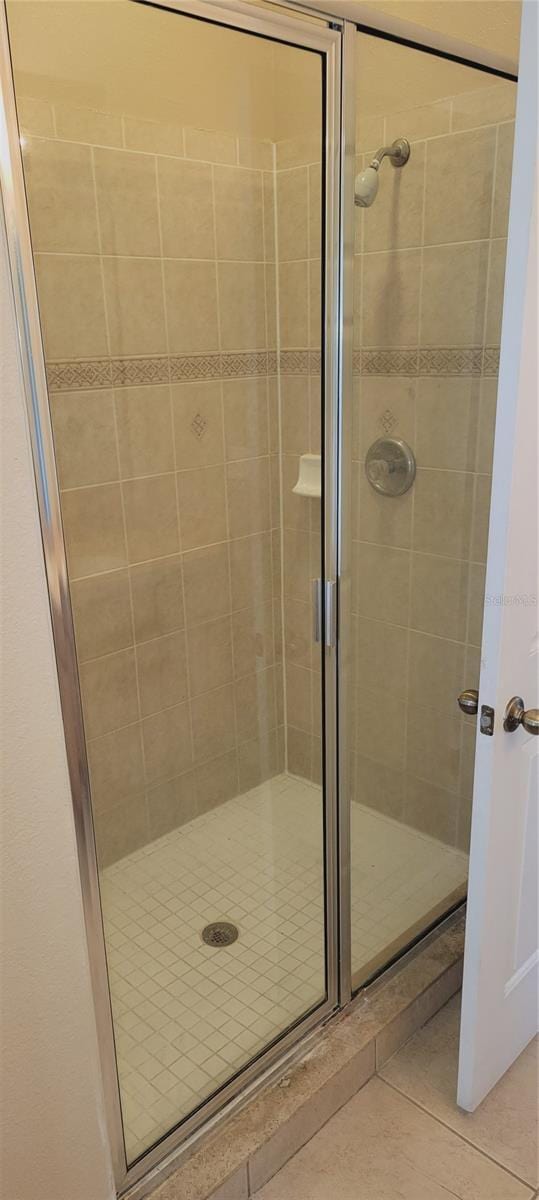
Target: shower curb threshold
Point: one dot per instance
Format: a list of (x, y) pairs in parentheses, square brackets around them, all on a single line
[(246, 1150)]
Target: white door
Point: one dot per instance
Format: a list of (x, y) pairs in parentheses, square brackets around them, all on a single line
[(500, 988)]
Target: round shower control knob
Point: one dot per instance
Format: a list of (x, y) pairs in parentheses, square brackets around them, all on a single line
[(390, 466)]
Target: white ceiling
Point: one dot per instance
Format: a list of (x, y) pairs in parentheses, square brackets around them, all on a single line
[(490, 24)]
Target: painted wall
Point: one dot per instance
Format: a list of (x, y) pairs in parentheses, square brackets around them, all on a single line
[(94, 51), (492, 24), (51, 1117), (47, 998)]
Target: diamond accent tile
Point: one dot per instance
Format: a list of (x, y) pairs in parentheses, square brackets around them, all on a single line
[(388, 421), (198, 425)]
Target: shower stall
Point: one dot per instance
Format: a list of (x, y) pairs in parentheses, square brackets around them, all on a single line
[(261, 367)]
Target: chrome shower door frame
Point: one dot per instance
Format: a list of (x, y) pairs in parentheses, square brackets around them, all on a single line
[(328, 42)]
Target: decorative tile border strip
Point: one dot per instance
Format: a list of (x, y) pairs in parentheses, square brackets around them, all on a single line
[(90, 373), (491, 360), (388, 362), (83, 373), (300, 362), (250, 363), (437, 360), (184, 367), (294, 362), (129, 371), (450, 361), (93, 373), (428, 360)]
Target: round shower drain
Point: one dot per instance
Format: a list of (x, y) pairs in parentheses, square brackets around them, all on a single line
[(220, 933)]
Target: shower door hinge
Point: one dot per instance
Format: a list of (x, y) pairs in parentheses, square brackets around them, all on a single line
[(325, 611)]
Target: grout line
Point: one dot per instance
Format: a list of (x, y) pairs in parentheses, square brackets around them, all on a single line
[(225, 477), (211, 545), (405, 765), (281, 452), (79, 487), (362, 150), (187, 628), (193, 766), (164, 258), (175, 460), (182, 130), (271, 455), (122, 504), (439, 1121), (261, 262)]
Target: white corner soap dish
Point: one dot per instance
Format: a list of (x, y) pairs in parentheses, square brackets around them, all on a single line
[(310, 476)]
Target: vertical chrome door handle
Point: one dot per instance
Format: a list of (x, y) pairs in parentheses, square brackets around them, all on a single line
[(317, 610), (324, 623), (331, 613)]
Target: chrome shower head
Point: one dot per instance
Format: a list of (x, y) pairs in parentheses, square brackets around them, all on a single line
[(366, 185)]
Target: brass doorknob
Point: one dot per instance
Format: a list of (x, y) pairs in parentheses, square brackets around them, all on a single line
[(515, 715), (468, 701)]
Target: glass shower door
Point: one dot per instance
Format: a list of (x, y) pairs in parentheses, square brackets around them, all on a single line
[(178, 243), (429, 267)]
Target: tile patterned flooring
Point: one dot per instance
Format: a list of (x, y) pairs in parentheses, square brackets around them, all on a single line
[(402, 1136), (187, 1016)]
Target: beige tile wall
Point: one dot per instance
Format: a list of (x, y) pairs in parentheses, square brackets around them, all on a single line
[(151, 243), (171, 491), (430, 257), (429, 268)]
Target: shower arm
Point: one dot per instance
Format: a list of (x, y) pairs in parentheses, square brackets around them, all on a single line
[(398, 152)]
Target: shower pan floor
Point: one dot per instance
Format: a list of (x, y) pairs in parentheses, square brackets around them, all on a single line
[(188, 1015)]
